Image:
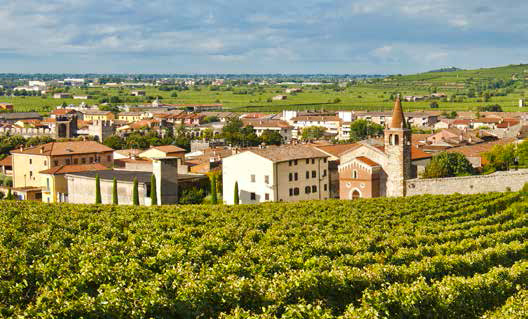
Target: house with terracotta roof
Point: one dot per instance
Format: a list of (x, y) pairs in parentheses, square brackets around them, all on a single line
[(475, 153), (164, 151), (29, 162), (282, 127), (280, 174)]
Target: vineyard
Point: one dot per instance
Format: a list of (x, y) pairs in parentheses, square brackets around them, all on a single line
[(458, 256)]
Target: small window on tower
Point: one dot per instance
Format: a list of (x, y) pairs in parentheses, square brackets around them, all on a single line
[(396, 139)]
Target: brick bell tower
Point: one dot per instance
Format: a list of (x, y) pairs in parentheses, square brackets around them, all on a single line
[(398, 150)]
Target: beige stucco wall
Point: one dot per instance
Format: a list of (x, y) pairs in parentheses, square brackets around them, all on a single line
[(81, 190), (496, 182)]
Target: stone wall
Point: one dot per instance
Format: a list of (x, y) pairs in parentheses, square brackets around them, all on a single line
[(496, 182)]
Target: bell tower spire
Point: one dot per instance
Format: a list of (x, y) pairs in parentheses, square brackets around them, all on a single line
[(398, 150)]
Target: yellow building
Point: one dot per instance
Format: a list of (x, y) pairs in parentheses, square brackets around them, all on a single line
[(56, 188), (163, 151), (92, 115), (28, 182), (130, 117)]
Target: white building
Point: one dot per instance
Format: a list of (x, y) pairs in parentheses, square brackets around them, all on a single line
[(280, 174), (284, 129), (331, 123)]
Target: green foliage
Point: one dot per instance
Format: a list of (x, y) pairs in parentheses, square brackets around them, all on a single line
[(235, 133), (192, 195), (271, 137), (433, 105), (362, 129), (448, 165), (500, 158), (313, 132), (10, 195), (135, 192), (490, 108), (457, 256), (236, 199), (97, 189), (115, 199), (115, 142), (214, 197), (153, 190)]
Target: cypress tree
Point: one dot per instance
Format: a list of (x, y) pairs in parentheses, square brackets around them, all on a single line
[(115, 201), (153, 190), (237, 200), (135, 193), (97, 189), (9, 194), (214, 198)]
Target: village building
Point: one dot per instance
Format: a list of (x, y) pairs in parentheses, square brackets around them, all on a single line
[(282, 127), (92, 115), (281, 174), (130, 117)]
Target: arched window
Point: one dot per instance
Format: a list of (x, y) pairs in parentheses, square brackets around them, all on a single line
[(390, 140), (396, 139), (355, 194), (355, 174)]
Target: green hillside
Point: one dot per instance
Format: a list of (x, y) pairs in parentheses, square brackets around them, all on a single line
[(428, 256)]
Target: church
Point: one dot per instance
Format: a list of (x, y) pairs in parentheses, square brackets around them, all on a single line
[(379, 170)]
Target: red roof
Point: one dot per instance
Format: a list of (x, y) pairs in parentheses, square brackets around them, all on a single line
[(65, 169), (367, 161)]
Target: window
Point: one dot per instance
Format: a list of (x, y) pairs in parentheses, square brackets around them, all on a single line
[(313, 160), (314, 189), (109, 158), (296, 176), (295, 162), (324, 173), (307, 189), (68, 161), (354, 174), (91, 160), (314, 174), (291, 191), (30, 174), (253, 196), (296, 191), (56, 163), (266, 196), (307, 161), (396, 139), (324, 160), (266, 179), (45, 163), (307, 174), (325, 187), (75, 161), (47, 182), (30, 161), (290, 177), (290, 163), (252, 178), (83, 160)]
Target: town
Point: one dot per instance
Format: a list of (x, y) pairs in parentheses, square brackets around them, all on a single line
[(159, 153)]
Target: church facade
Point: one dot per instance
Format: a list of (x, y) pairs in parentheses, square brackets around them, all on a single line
[(379, 170)]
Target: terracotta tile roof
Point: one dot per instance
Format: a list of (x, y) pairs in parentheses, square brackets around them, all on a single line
[(63, 111), (286, 153), (7, 161), (337, 149), (128, 152), (487, 120), (367, 161), (96, 112), (169, 149), (65, 148), (417, 154), (477, 150), (65, 169), (130, 114), (266, 123)]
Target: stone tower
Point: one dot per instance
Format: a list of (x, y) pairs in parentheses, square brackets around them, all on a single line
[(398, 150)]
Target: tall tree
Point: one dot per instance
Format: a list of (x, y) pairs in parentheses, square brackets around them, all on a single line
[(153, 191), (214, 197), (448, 165), (236, 199), (135, 193), (115, 200), (97, 189)]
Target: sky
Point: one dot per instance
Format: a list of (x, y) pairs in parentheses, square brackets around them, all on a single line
[(241, 36)]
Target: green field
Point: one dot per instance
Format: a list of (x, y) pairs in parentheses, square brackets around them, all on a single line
[(506, 84), (459, 256)]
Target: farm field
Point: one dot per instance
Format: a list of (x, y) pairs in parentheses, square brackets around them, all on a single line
[(457, 256)]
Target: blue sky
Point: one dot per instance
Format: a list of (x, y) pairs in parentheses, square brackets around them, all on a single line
[(240, 36)]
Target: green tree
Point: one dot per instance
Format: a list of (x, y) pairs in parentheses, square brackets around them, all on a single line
[(115, 200), (448, 165), (313, 132), (522, 153), (362, 129), (135, 193), (153, 191), (500, 158), (97, 189), (236, 197), (115, 142), (214, 197), (10, 195), (433, 105), (271, 137)]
